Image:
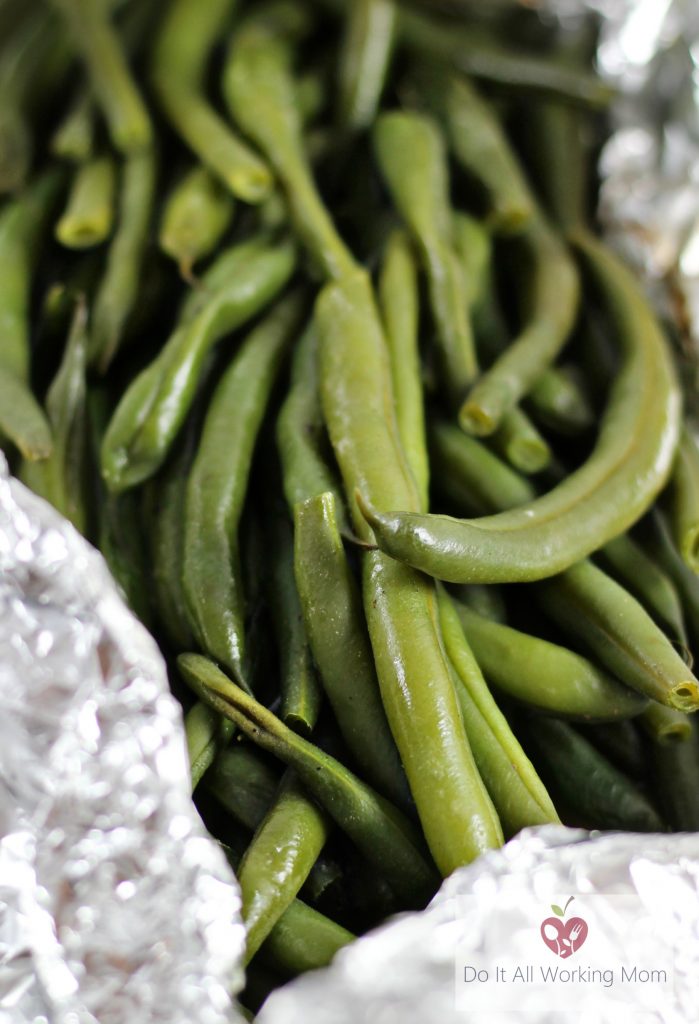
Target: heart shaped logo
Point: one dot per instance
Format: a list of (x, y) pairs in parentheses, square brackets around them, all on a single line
[(563, 937)]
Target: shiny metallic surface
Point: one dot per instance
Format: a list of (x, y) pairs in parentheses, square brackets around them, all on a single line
[(115, 905)]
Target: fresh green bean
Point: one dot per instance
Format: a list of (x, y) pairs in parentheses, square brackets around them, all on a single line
[(487, 601), (474, 247), (304, 940), (301, 437), (218, 483), (399, 302), (419, 187), (300, 689), (61, 478), (206, 733), (519, 441), (596, 792), (515, 789), (196, 215), (332, 611), (670, 560), (621, 743), (385, 837), (664, 724), (552, 297), (560, 403), (99, 46), (243, 783), (156, 403), (544, 675), (89, 214), (675, 769), (187, 34), (417, 690), (364, 59), (118, 290), (628, 467), (259, 90), (74, 138), (279, 859), (685, 500)]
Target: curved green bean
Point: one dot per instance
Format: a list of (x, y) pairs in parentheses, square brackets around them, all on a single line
[(419, 187), (196, 215), (187, 34), (385, 837), (628, 467), (304, 940), (211, 575), (332, 611), (154, 406), (685, 500)]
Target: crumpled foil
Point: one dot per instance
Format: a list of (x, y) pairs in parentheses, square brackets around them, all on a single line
[(115, 905)]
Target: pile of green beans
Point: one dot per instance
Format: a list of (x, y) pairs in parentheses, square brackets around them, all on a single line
[(377, 436)]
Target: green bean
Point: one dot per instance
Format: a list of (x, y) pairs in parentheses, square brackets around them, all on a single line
[(670, 560), (278, 860), (560, 403), (243, 783), (398, 297), (156, 403), (218, 483), (478, 55), (196, 215), (206, 733), (596, 792), (664, 724), (301, 437), (364, 59), (260, 93), (519, 441), (60, 478), (552, 296), (487, 601), (619, 632), (118, 290), (300, 689), (479, 145), (544, 675), (417, 690), (631, 566), (474, 247), (675, 769), (304, 940), (332, 611), (74, 137), (420, 189), (620, 742), (384, 836), (515, 789), (472, 476), (685, 500), (21, 223), (99, 46), (187, 34), (89, 214), (628, 467)]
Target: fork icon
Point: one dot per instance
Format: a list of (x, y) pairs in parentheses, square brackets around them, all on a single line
[(574, 936)]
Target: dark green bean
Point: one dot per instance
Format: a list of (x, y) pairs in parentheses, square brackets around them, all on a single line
[(242, 781), (206, 733), (304, 940), (685, 500), (74, 138), (675, 769), (218, 483)]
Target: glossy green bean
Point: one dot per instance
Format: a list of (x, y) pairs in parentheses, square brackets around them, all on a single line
[(154, 406), (675, 769), (553, 293), (517, 792), (385, 837), (364, 60), (218, 483), (519, 441), (74, 137), (277, 862), (419, 188), (399, 303), (206, 732), (301, 692), (545, 675), (332, 611), (186, 36), (89, 214), (628, 467), (98, 44), (664, 724), (302, 441), (259, 89), (117, 293), (61, 478), (417, 690), (685, 500), (592, 789), (196, 215), (304, 940), (592, 607)]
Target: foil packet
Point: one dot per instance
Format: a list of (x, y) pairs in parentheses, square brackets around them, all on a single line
[(116, 906)]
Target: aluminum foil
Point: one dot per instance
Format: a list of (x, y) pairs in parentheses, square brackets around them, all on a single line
[(115, 905)]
